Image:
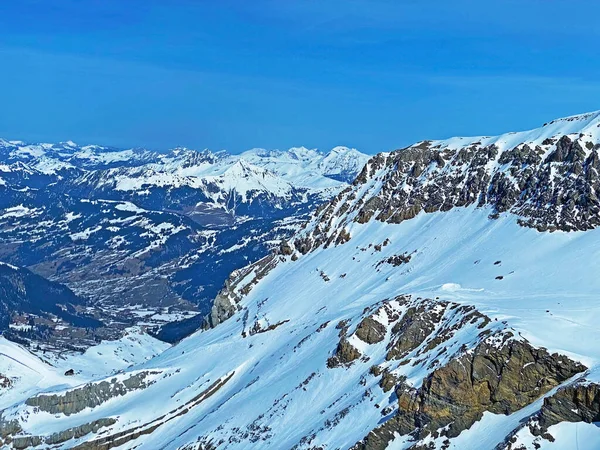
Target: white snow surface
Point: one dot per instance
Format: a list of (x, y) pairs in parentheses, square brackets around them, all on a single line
[(308, 168), (567, 435), (275, 388), (548, 295), (585, 124), (31, 374), (277, 173)]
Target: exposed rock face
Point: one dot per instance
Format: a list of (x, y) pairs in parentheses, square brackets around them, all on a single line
[(389, 381), (8, 429), (345, 354), (500, 377), (11, 431), (77, 432), (285, 248), (578, 403), (240, 282), (370, 330), (551, 185), (416, 325), (500, 380), (396, 260), (5, 382), (88, 396)]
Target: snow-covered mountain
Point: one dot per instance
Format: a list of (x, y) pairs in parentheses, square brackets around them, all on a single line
[(447, 299), (310, 168), (149, 237), (302, 167)]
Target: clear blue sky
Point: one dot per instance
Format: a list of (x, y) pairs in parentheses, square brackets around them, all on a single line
[(225, 74)]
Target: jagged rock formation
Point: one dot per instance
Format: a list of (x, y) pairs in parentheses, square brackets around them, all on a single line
[(499, 377), (239, 283), (415, 310), (549, 177), (577, 402), (370, 330)]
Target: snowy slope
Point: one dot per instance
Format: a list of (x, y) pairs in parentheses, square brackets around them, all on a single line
[(582, 124), (396, 319), (387, 323), (29, 373), (268, 366)]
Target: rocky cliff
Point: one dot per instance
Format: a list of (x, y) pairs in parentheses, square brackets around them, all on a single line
[(447, 299)]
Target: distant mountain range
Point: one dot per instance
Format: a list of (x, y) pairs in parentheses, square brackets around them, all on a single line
[(149, 237), (447, 298)]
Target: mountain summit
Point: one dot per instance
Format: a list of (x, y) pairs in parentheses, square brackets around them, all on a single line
[(446, 299)]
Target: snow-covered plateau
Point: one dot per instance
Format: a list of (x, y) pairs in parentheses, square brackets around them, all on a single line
[(447, 299)]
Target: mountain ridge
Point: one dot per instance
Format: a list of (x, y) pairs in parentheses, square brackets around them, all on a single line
[(446, 299), (137, 231)]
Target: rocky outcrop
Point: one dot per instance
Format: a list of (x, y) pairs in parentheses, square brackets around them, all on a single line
[(80, 431), (577, 403), (258, 328), (396, 260), (501, 375), (89, 395), (411, 331), (285, 248), (5, 382), (8, 429), (120, 438), (240, 283), (10, 434), (551, 185), (370, 330), (345, 354)]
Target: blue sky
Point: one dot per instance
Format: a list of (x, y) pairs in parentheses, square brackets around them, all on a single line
[(372, 74)]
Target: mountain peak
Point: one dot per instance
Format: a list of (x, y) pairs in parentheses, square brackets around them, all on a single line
[(587, 118), (587, 124), (549, 178)]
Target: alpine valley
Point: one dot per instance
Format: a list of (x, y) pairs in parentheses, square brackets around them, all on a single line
[(440, 296), (147, 238)]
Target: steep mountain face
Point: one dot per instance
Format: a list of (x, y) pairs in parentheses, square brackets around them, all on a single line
[(150, 237), (548, 177), (425, 306), (32, 306)]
